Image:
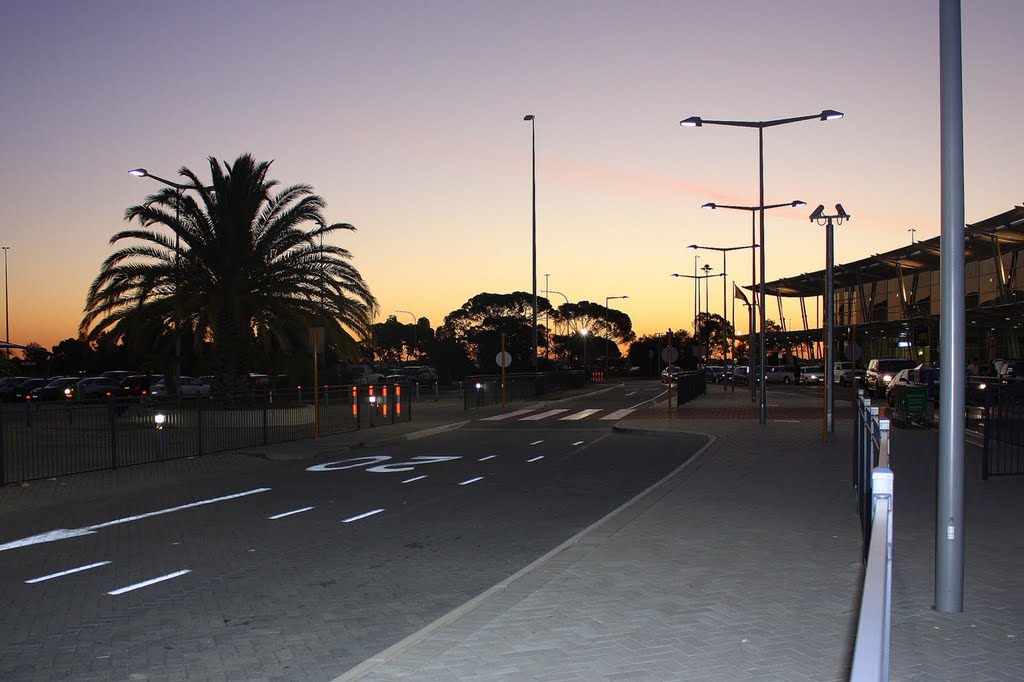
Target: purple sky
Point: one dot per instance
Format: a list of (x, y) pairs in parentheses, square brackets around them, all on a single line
[(407, 118)]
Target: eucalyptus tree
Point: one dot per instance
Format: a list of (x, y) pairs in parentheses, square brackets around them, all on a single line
[(235, 263)]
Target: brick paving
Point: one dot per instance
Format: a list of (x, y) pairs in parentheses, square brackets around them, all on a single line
[(743, 564)]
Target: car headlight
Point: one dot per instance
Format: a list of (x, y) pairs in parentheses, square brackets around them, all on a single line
[(982, 386), (886, 378)]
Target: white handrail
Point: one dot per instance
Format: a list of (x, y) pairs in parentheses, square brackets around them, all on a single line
[(871, 651)]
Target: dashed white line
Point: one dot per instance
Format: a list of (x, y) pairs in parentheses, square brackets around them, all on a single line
[(579, 442), (362, 516), (414, 479), (582, 414), (536, 442), (289, 513), (619, 414), (536, 459), (67, 572), (484, 459), (507, 415), (472, 480), (152, 581)]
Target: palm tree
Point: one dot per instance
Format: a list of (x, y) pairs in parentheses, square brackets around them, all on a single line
[(252, 266)]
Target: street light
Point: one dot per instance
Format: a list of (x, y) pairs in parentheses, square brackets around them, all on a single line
[(7, 307), (607, 310), (725, 251), (696, 279), (583, 333), (753, 210), (697, 121), (827, 322), (533, 147), (549, 292), (415, 330)]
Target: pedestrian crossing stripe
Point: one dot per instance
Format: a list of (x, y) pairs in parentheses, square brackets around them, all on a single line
[(530, 414)]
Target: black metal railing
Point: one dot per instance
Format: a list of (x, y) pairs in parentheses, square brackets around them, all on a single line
[(47, 439), (689, 385), (484, 390), (1003, 445)]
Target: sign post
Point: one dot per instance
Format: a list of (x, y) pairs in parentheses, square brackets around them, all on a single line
[(316, 339), (504, 359)]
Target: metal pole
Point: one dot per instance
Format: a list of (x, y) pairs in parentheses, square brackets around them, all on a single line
[(949, 528), (763, 404), (533, 147), (725, 306), (829, 323), (753, 306), (7, 306)]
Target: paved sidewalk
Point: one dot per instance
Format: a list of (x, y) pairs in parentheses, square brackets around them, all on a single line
[(742, 564)]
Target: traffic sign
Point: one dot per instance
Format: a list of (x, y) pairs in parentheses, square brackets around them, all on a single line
[(504, 359), (669, 354)]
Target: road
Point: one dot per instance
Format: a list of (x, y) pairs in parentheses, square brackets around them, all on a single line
[(301, 570)]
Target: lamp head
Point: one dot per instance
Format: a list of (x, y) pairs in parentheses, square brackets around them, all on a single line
[(528, 117), (138, 172), (710, 205), (692, 122), (831, 115), (692, 246), (842, 212), (799, 203), (817, 212)]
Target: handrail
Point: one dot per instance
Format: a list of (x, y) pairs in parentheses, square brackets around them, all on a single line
[(874, 480)]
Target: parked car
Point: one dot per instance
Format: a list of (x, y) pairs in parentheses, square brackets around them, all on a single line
[(118, 375), (741, 375), (845, 373), (54, 390), (23, 391), (904, 377), (8, 386), (188, 387), (779, 374), (881, 371), (812, 375), (714, 373), (671, 374), (362, 375), (95, 388), (140, 384)]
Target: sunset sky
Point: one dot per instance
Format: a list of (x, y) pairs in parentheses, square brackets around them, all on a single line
[(407, 117)]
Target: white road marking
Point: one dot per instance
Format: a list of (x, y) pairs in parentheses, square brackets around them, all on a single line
[(484, 459), (508, 415), (536, 459), (579, 442), (362, 516), (67, 572), (295, 511), (543, 415), (415, 478), (153, 581), (64, 533), (536, 442), (786, 421), (582, 414), (619, 414), (472, 480)]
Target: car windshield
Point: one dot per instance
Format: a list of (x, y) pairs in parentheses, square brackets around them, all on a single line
[(894, 365)]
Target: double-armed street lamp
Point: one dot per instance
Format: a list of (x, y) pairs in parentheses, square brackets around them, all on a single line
[(725, 251), (533, 147), (819, 217), (697, 122), (696, 279), (608, 330)]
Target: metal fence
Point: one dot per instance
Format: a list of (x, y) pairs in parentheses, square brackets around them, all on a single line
[(689, 385), (874, 480), (484, 390), (1003, 450), (43, 440)]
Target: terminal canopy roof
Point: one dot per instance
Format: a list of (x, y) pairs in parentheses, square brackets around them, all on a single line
[(985, 239)]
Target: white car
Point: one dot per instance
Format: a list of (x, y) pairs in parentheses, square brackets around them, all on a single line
[(188, 387)]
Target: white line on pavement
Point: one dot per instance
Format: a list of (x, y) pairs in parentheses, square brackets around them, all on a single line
[(536, 442), (579, 442), (544, 415), (507, 415), (619, 414), (362, 516), (67, 572), (536, 459), (153, 581), (472, 480), (484, 459), (65, 533), (289, 513), (413, 479), (582, 414)]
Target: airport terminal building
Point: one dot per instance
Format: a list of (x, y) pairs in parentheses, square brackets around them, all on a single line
[(887, 305)]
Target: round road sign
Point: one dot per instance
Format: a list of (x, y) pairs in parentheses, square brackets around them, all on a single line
[(504, 359)]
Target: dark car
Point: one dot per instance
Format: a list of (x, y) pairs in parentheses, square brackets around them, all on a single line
[(54, 390), (671, 374), (23, 391), (8, 386), (96, 388), (881, 371), (140, 384)]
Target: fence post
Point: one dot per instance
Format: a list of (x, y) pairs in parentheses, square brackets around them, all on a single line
[(3, 467), (199, 428), (266, 428), (112, 420)]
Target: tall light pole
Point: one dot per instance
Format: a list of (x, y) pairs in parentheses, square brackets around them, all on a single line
[(415, 329), (7, 307), (552, 291), (753, 280), (912, 231), (697, 121), (179, 188), (725, 252), (828, 321), (608, 330), (533, 148), (583, 333)]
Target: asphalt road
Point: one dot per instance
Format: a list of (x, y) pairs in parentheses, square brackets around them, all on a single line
[(302, 570)]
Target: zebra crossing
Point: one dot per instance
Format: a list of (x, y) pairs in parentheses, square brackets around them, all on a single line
[(560, 414)]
